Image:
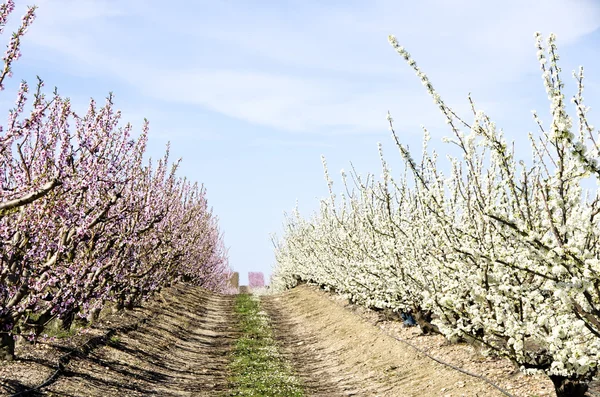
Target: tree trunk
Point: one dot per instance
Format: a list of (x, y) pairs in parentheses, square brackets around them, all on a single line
[(7, 346), (132, 299), (120, 303), (67, 320), (38, 325), (94, 315), (423, 318), (567, 387)]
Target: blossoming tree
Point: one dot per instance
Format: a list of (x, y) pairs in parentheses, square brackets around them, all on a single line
[(83, 221), (497, 252), (256, 279)]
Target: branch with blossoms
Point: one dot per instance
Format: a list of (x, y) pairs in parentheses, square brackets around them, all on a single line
[(497, 253), (83, 222)]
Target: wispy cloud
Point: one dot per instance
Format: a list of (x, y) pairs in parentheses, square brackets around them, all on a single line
[(305, 66)]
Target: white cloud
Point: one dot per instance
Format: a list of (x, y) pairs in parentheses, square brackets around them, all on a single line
[(288, 103), (310, 67)]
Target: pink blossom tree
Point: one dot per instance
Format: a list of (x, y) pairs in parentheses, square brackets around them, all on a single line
[(83, 221), (256, 279)]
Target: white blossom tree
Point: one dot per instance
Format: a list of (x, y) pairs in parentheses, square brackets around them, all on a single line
[(497, 252)]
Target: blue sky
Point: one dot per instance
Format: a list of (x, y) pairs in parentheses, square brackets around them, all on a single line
[(252, 93)]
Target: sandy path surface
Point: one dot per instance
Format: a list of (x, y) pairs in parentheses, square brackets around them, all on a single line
[(182, 350), (182, 347), (338, 354)]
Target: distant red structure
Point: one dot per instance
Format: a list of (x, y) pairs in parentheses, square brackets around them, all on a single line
[(256, 279)]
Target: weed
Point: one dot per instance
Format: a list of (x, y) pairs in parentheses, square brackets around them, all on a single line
[(258, 368), (114, 340)]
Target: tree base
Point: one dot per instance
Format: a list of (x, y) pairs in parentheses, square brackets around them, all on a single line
[(568, 388), (7, 347)]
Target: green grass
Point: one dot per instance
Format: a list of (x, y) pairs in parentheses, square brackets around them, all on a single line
[(60, 333), (257, 368)]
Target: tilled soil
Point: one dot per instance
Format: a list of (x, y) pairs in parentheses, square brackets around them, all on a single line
[(180, 345), (336, 353), (181, 350)]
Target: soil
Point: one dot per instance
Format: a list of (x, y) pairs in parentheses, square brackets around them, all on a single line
[(179, 344), (326, 336), (180, 350)]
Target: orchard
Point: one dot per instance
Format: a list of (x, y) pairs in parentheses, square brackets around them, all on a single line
[(85, 219), (493, 252), (484, 248)]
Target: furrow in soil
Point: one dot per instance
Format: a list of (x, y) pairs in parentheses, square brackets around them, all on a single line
[(336, 353), (182, 351)]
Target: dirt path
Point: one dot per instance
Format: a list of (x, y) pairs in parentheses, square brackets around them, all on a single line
[(184, 348), (180, 352), (338, 354)]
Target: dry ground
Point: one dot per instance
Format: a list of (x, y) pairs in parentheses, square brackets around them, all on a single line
[(179, 345), (181, 350), (338, 342)]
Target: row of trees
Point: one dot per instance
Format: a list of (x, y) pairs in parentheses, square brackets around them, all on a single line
[(494, 252), (84, 219)]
